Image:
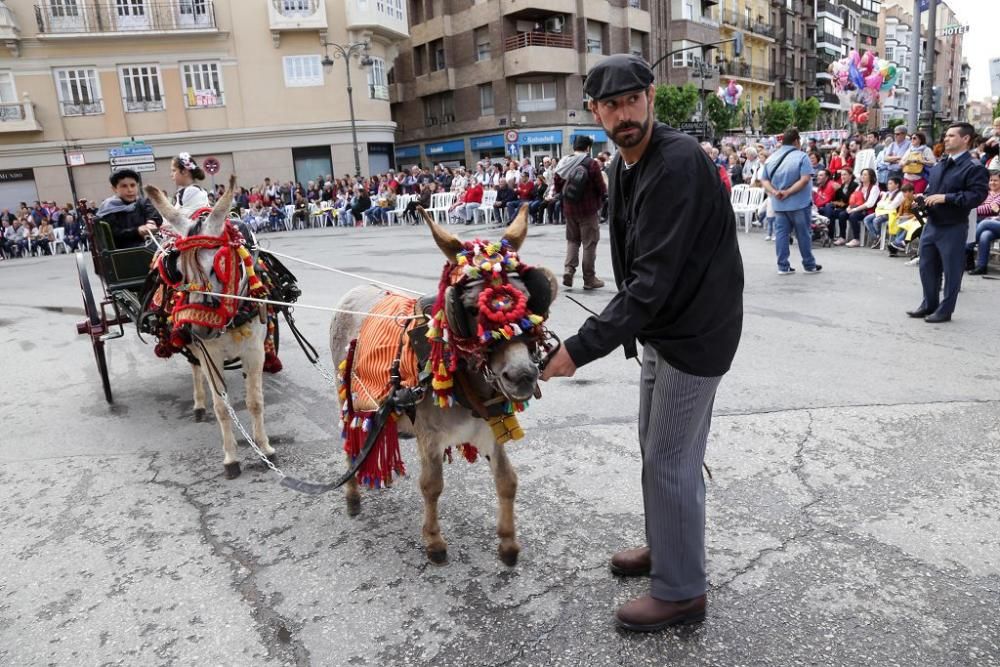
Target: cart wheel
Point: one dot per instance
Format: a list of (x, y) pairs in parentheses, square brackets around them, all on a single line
[(95, 328)]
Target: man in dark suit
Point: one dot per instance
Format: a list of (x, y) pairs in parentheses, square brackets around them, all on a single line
[(957, 184)]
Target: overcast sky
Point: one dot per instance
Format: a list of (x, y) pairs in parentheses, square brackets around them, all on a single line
[(980, 43)]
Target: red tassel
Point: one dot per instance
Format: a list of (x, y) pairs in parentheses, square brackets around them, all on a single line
[(272, 364), (468, 451), (384, 462)]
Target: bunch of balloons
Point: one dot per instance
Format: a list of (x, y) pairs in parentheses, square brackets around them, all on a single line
[(863, 78), (858, 114), (730, 94)]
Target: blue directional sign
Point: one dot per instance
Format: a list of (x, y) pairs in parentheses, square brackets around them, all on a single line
[(129, 149)]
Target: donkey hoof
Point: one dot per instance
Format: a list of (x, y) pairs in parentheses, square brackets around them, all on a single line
[(508, 554), (438, 555), (199, 414), (272, 458), (232, 469), (353, 505)]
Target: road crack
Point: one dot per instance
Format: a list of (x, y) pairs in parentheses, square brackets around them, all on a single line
[(277, 633)]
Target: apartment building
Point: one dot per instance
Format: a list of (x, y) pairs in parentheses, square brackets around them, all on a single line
[(685, 24), (793, 52), (474, 70), (753, 69), (896, 25), (253, 84)]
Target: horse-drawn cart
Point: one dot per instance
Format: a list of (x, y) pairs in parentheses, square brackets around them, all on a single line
[(125, 280), (122, 273)]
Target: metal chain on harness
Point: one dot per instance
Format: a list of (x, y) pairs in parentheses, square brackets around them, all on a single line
[(213, 375)]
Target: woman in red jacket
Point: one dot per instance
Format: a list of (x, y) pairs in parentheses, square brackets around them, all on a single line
[(473, 198)]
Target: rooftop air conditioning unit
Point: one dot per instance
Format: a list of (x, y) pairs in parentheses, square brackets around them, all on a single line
[(554, 24)]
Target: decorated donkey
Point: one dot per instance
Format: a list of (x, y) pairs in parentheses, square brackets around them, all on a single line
[(210, 256), (468, 355)]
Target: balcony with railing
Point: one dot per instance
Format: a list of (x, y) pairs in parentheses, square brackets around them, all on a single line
[(295, 15), (96, 19), (531, 52), (81, 108), (743, 70), (18, 117), (381, 17), (133, 105), (10, 31)]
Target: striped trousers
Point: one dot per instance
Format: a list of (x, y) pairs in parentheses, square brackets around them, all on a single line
[(675, 415)]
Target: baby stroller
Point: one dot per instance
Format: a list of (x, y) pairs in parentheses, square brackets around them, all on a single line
[(820, 226)]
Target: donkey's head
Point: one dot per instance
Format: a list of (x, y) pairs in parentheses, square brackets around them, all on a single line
[(512, 364), (196, 266)]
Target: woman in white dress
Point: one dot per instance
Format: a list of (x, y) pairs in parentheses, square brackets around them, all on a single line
[(190, 197)]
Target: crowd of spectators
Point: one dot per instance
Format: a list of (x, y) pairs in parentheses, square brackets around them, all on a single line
[(37, 229), (868, 182)]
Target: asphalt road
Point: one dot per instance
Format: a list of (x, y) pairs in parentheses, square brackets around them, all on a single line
[(853, 518)]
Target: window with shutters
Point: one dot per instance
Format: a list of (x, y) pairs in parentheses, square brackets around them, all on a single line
[(303, 71), (536, 96), (486, 99), (378, 86), (142, 88), (79, 92), (202, 85)]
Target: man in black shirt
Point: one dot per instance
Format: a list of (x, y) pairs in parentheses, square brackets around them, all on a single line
[(679, 274), (131, 216)]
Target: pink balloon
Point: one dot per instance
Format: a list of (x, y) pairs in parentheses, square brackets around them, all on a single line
[(874, 81), (854, 57), (731, 88), (867, 63)]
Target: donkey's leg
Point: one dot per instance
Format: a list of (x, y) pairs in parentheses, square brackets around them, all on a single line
[(198, 381), (506, 483), (253, 368), (231, 461), (431, 484), (352, 494)]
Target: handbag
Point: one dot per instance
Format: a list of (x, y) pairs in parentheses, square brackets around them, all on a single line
[(914, 163), (856, 199)]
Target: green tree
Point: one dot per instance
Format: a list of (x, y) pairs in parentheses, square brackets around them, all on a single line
[(721, 115), (778, 114), (893, 122), (675, 104), (805, 114)]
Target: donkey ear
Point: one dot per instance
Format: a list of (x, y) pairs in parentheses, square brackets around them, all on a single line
[(166, 209), (449, 244), (518, 229), (216, 221)]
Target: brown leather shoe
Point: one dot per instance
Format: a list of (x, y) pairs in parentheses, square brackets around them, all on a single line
[(647, 614), (631, 562), (593, 283), (568, 279)]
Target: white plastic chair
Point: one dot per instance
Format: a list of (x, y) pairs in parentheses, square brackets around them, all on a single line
[(289, 214), (746, 208), (486, 208), (402, 201), (60, 240), (440, 203)]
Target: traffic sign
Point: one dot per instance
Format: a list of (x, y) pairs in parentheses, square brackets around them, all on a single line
[(132, 150), (150, 166), (511, 136), (132, 160), (211, 165)]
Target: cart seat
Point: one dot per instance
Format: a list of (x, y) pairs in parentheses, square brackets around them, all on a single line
[(121, 269)]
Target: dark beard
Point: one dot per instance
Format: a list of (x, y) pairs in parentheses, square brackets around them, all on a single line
[(629, 142)]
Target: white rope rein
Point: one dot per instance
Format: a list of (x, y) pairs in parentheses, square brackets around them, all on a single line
[(346, 273), (398, 318)]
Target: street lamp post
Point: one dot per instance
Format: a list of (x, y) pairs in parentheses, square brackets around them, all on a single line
[(346, 52)]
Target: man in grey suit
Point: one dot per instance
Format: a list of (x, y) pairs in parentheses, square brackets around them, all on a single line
[(679, 275)]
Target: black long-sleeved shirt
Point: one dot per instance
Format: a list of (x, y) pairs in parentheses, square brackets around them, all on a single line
[(676, 260)]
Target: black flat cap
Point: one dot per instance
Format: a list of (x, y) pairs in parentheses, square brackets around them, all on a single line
[(616, 75)]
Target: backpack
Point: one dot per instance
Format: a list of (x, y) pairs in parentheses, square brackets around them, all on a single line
[(577, 180)]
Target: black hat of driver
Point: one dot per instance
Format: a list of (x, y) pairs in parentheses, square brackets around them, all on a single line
[(616, 75)]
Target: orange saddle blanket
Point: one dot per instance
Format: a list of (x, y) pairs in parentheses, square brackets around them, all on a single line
[(377, 344)]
